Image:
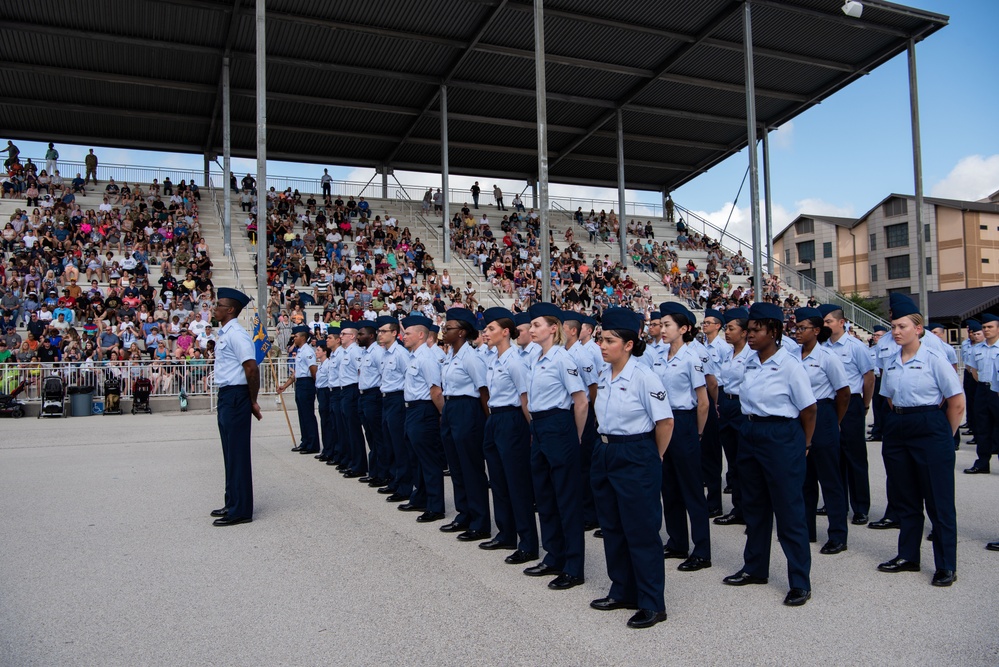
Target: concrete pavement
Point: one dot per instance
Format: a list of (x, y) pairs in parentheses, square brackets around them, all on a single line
[(109, 558)]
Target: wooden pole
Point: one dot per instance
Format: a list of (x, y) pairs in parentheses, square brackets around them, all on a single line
[(284, 407)]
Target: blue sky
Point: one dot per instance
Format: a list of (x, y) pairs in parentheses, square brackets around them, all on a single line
[(839, 158)]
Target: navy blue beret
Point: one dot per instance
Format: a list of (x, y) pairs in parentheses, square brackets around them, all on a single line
[(880, 327), (497, 313), (234, 294), (974, 325), (434, 329), (461, 315), (674, 308), (805, 313), (365, 324), (382, 320), (301, 328), (417, 321), (935, 325), (989, 317), (766, 311), (622, 318), (545, 310), (332, 330), (717, 314), (521, 318), (827, 308), (900, 305), (736, 314)]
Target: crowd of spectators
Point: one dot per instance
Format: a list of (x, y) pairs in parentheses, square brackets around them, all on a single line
[(128, 279)]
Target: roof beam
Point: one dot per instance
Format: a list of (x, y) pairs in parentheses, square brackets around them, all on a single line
[(108, 77), (94, 36), (107, 111), (230, 36), (671, 61), (483, 27)]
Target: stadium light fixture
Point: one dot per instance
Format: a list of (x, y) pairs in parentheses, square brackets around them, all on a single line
[(853, 9)]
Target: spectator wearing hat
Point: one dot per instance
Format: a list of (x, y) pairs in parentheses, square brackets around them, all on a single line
[(304, 379), (238, 380), (773, 443)]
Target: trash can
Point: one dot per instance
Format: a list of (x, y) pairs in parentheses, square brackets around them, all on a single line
[(81, 401)]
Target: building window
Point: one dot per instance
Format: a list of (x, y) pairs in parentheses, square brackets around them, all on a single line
[(874, 273), (804, 226), (809, 274), (828, 278), (898, 267), (806, 252), (985, 260), (984, 228), (827, 250), (897, 236), (926, 232), (895, 206), (929, 266), (787, 256), (873, 242)]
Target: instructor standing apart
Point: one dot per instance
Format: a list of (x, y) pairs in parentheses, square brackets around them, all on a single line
[(238, 379)]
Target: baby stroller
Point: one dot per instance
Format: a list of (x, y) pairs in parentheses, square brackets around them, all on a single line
[(53, 398), (9, 405), (140, 396), (112, 396)]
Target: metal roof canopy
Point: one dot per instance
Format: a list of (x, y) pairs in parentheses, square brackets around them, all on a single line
[(358, 83)]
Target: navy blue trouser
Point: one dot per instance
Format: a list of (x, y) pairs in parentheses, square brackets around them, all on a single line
[(772, 471), (626, 479), (462, 423), (822, 468), (711, 459), (337, 452), (919, 457), (682, 490), (234, 419), (350, 413), (423, 433), (986, 423), (305, 402), (394, 435), (325, 419), (506, 443), (878, 406), (557, 481), (729, 422), (970, 399), (369, 406), (590, 437), (853, 459)]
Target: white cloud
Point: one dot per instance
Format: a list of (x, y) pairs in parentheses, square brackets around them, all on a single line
[(973, 177), (783, 137)]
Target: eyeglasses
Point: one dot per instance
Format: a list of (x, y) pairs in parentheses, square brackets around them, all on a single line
[(385, 331)]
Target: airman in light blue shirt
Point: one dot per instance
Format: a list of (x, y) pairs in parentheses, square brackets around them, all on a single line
[(780, 386)]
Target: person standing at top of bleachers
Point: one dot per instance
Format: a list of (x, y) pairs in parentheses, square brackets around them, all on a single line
[(90, 161)]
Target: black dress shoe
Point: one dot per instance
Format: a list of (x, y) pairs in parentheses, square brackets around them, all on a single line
[(410, 507), (454, 527), (977, 470), (428, 517), (496, 543), (331, 462), (350, 474), (342, 467), (797, 597), (673, 553), (741, 578), (898, 564), (365, 479), (693, 564), (730, 519), (831, 547), (375, 482), (447, 472), (972, 442), (386, 491), (564, 582), (598, 533), (219, 512), (397, 498), (519, 557), (231, 521), (610, 604), (309, 451), (992, 546), (473, 536), (872, 438), (944, 577), (646, 618), (727, 490), (859, 520), (542, 570), (296, 449), (884, 524), (929, 536), (715, 513), (322, 457), (590, 525), (821, 511)]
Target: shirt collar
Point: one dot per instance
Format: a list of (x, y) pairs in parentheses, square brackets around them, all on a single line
[(628, 371)]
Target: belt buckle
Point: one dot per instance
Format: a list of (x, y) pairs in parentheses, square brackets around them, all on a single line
[(603, 438), (407, 404)]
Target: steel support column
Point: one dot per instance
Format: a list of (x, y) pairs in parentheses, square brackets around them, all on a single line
[(622, 237), (385, 183), (226, 162), (262, 291), (768, 200), (534, 194), (754, 182), (917, 173), (444, 183), (542, 120), (208, 166)]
